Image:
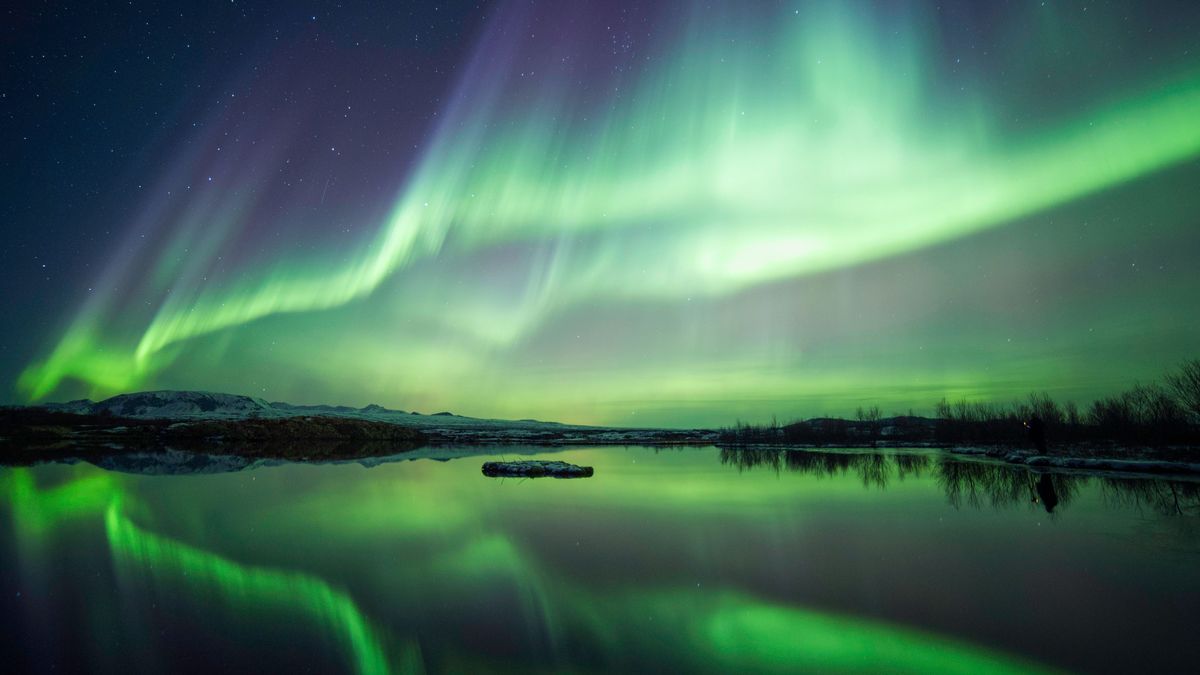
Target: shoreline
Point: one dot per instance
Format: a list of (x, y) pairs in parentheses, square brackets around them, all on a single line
[(320, 451), (37, 435)]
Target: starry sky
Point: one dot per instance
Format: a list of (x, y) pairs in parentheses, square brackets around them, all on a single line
[(659, 213)]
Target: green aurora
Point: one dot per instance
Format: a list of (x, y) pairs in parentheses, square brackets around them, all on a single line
[(785, 213)]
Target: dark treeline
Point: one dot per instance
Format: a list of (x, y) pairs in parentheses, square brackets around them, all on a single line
[(974, 484), (1157, 414)]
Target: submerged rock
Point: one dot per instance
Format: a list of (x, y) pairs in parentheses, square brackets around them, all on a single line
[(536, 469)]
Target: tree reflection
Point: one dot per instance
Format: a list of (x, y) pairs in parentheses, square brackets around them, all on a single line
[(979, 484), (873, 469), (1173, 498), (976, 484)]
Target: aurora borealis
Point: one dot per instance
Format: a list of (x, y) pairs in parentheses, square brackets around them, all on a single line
[(660, 213)]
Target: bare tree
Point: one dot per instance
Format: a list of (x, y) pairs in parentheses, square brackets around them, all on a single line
[(1044, 407), (1071, 413), (1185, 384)]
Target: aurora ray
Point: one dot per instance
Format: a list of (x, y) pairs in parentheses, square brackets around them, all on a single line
[(750, 148)]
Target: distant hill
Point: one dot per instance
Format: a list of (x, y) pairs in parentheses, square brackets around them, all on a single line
[(168, 404), (197, 409), (172, 404)]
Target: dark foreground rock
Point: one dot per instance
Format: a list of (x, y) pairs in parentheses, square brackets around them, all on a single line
[(536, 469)]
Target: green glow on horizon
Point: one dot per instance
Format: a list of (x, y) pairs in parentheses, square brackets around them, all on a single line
[(818, 147)]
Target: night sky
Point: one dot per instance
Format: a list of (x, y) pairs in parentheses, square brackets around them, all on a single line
[(630, 213)]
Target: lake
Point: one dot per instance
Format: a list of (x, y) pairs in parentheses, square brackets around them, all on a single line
[(669, 560)]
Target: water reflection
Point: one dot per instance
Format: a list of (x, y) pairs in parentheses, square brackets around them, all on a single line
[(668, 560), (976, 484), (144, 561), (142, 557)]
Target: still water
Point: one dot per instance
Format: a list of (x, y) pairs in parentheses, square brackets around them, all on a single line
[(676, 560)]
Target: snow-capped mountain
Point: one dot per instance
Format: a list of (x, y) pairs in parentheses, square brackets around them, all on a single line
[(173, 405), (443, 427)]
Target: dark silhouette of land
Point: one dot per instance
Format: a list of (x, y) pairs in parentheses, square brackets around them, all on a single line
[(1163, 419), (1149, 428), (36, 434)]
